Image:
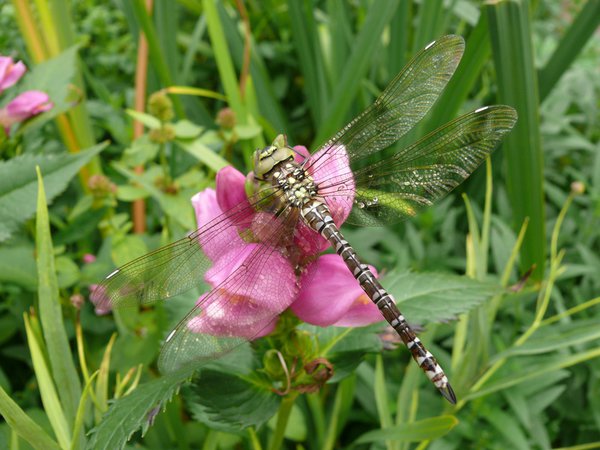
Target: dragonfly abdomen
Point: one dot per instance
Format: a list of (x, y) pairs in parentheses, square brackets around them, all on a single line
[(316, 214)]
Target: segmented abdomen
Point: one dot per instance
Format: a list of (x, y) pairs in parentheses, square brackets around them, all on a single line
[(317, 216)]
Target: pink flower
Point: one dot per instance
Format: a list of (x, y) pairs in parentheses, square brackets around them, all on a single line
[(24, 106), (88, 258), (325, 294), (10, 72), (100, 300), (329, 295)]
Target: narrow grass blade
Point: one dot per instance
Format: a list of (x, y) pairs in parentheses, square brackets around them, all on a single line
[(78, 426), (59, 351), (582, 28), (50, 400), (477, 53), (517, 86), (22, 424), (224, 64), (268, 104), (355, 69), (308, 49)]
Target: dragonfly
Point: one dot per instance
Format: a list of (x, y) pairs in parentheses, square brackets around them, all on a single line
[(296, 201)]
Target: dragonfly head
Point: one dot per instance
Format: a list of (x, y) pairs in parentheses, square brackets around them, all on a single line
[(267, 158)]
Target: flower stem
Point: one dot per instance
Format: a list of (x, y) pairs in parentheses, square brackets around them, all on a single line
[(282, 419)]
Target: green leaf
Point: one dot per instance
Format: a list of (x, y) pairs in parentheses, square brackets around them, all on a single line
[(411, 432), (552, 338), (203, 153), (22, 424), (137, 410), (50, 400), (176, 206), (127, 249), (184, 129), (17, 265), (140, 152), (508, 427), (435, 297), (148, 120), (226, 401), (59, 351), (18, 183), (511, 39)]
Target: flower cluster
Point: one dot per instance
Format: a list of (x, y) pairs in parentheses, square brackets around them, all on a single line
[(24, 105), (324, 293)]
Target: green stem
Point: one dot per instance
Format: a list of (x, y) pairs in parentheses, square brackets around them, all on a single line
[(282, 419)]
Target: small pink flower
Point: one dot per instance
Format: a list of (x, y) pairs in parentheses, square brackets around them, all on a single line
[(100, 300), (10, 72), (88, 258), (24, 106)]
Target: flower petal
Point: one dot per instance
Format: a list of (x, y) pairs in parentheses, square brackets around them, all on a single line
[(28, 104), (213, 240), (10, 72), (328, 292), (231, 191), (334, 179), (267, 281)]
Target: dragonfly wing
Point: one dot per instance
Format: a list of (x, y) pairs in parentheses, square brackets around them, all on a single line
[(417, 176), (255, 288), (179, 266), (399, 107)]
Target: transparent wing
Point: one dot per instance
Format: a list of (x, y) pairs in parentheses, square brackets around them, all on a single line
[(256, 288), (419, 175), (181, 265), (400, 106)]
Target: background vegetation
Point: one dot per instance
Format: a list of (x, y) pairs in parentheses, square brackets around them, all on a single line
[(522, 346)]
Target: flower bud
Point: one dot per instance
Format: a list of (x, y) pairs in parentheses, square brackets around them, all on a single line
[(163, 134), (161, 106), (101, 186), (577, 187), (226, 118), (77, 300)]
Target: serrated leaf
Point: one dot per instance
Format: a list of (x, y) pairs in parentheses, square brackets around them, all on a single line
[(18, 183), (435, 297), (411, 432), (137, 410), (228, 402)]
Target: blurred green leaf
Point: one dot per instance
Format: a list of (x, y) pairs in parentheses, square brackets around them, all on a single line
[(51, 316), (17, 265), (420, 430), (48, 391), (18, 183), (22, 424)]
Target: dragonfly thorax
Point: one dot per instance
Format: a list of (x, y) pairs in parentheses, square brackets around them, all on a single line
[(297, 186)]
